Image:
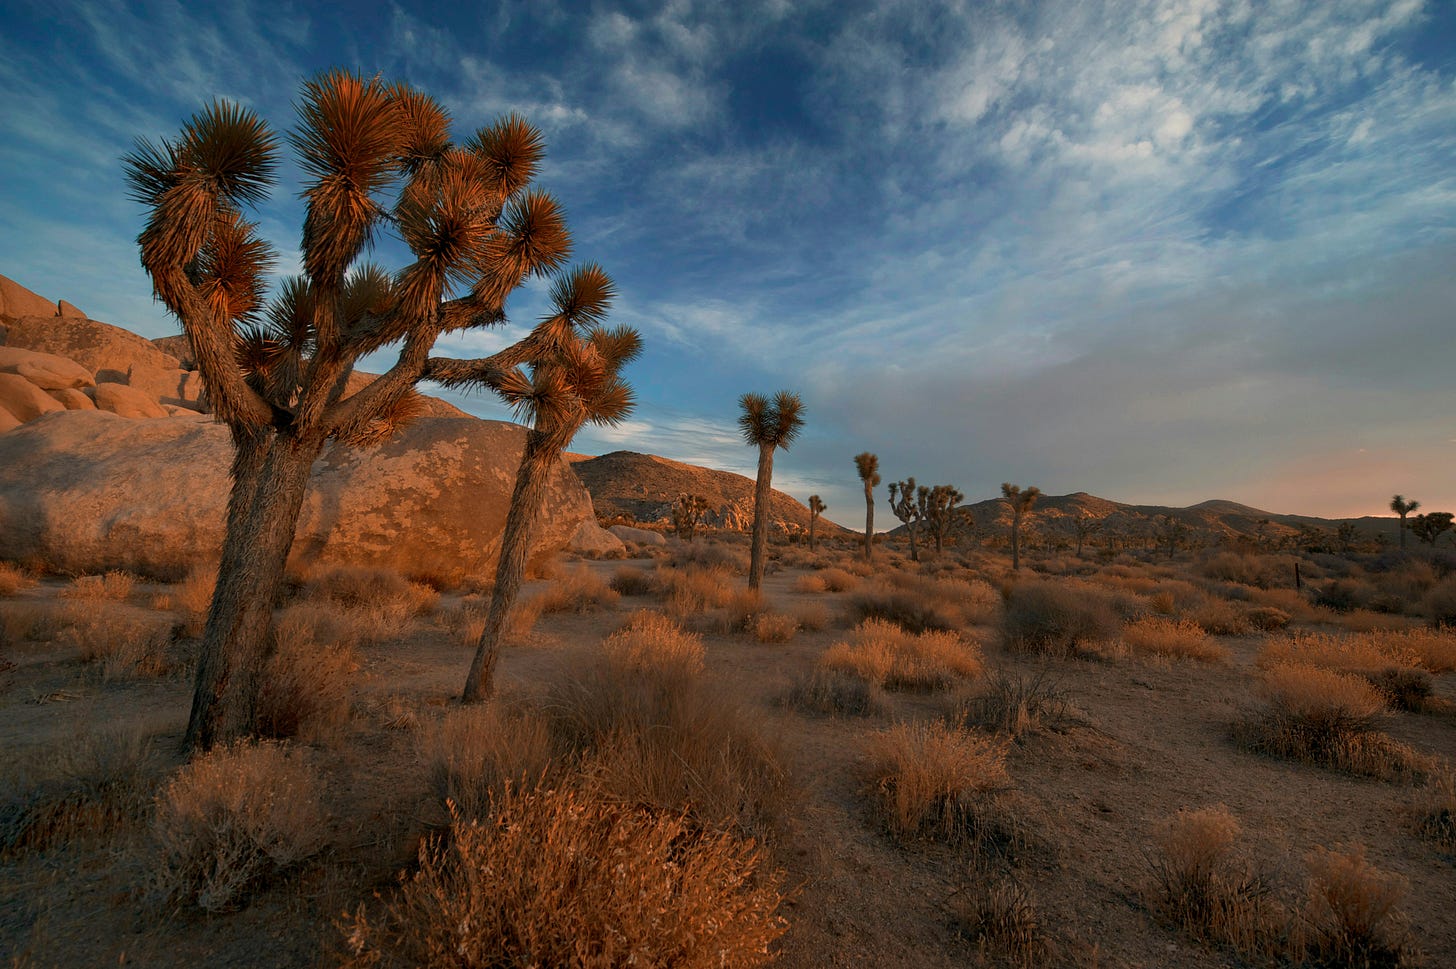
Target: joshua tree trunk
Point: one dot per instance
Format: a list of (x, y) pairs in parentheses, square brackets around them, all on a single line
[(939, 543), (914, 551), (760, 515), (812, 520), (531, 479), (1015, 540), (270, 476), (869, 549), (1402, 531)]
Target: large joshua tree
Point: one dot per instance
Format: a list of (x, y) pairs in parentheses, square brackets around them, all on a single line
[(767, 425), (576, 383), (1401, 507), (937, 509), (374, 156), (1021, 502), (868, 466), (816, 508), (905, 508)]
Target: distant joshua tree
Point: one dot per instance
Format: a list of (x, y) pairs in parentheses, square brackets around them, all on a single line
[(375, 158), (1431, 526), (1345, 537), (1083, 526), (687, 511), (579, 382), (1021, 501), (1401, 507), (907, 510), (1171, 533), (937, 509), (766, 425), (868, 466), (816, 508)]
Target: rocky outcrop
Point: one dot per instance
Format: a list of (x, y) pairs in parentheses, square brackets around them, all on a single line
[(23, 400), (592, 539), (86, 491), (127, 401), (638, 536), (107, 351), (46, 370), (16, 300)]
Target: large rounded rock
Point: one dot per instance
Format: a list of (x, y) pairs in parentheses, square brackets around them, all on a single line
[(23, 399), (109, 352), (85, 491), (638, 536), (16, 300), (73, 399), (46, 370), (127, 401)]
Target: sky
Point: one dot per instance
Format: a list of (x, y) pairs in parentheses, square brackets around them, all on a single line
[(1161, 251)]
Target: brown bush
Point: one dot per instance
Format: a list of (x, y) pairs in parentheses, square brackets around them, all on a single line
[(653, 645), (607, 884), (231, 819), (629, 581), (1000, 914), (810, 583), (1017, 705), (689, 591), (774, 627), (836, 693), (579, 590), (919, 603), (1056, 618), (812, 616), (474, 754), (885, 654), (306, 689), (935, 781), (710, 556), (13, 579), (1267, 618), (1435, 812), (116, 586), (192, 597), (1438, 605), (122, 646), (838, 580), (1354, 911), (1178, 639)]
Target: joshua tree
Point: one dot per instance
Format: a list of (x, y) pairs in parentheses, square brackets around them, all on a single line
[(816, 508), (868, 466), (907, 511), (375, 157), (578, 382), (937, 508), (1431, 526), (1083, 525), (1401, 507), (1170, 533), (766, 425), (1021, 503), (1345, 537), (685, 514)]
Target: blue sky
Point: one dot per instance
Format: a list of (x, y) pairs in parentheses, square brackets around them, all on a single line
[(1161, 251)]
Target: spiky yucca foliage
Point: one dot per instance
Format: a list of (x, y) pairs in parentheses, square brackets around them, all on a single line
[(686, 512), (937, 507), (767, 425), (868, 466), (1021, 501), (905, 509), (1401, 507), (375, 157), (816, 508)]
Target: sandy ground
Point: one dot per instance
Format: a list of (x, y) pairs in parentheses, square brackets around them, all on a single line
[(1153, 737)]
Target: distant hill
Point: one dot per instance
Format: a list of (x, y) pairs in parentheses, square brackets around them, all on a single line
[(642, 488)]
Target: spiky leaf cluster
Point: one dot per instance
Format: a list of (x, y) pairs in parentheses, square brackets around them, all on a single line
[(868, 466), (770, 423), (937, 507), (903, 502)]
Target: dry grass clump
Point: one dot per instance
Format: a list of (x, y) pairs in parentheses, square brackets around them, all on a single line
[(689, 591), (1017, 704), (1435, 814), (89, 786), (1268, 618), (579, 590), (1199, 885), (935, 781), (122, 646), (1438, 605), (306, 689), (1260, 571), (191, 598), (1057, 618), (1000, 914), (1396, 663), (711, 556), (883, 653), (606, 884), (13, 579), (836, 693), (810, 583), (1434, 650), (654, 645), (774, 627), (230, 820), (1219, 617), (115, 586), (1180, 639), (632, 581), (1354, 912), (920, 603), (838, 580), (1327, 718), (386, 596), (812, 616), (474, 754)]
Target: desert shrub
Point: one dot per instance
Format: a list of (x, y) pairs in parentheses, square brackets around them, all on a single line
[(86, 787), (1261, 571), (835, 693), (1267, 618), (1354, 911), (607, 885), (1056, 618), (362, 587), (230, 820), (711, 556), (1403, 688), (13, 579), (1435, 812), (739, 612), (1219, 617), (838, 580), (883, 653), (1438, 605), (653, 645), (920, 603), (115, 585), (1347, 654), (660, 735), (935, 781), (774, 627), (629, 581), (812, 616), (1200, 886), (1180, 639), (473, 754), (1434, 650), (1016, 704), (1000, 914), (1327, 718), (122, 646), (578, 590), (688, 591), (1344, 595), (810, 583), (305, 690), (192, 597)]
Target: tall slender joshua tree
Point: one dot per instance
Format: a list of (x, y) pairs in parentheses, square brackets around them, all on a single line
[(907, 511), (1021, 502), (868, 466), (766, 425), (375, 157), (1401, 507), (579, 382), (816, 508)]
